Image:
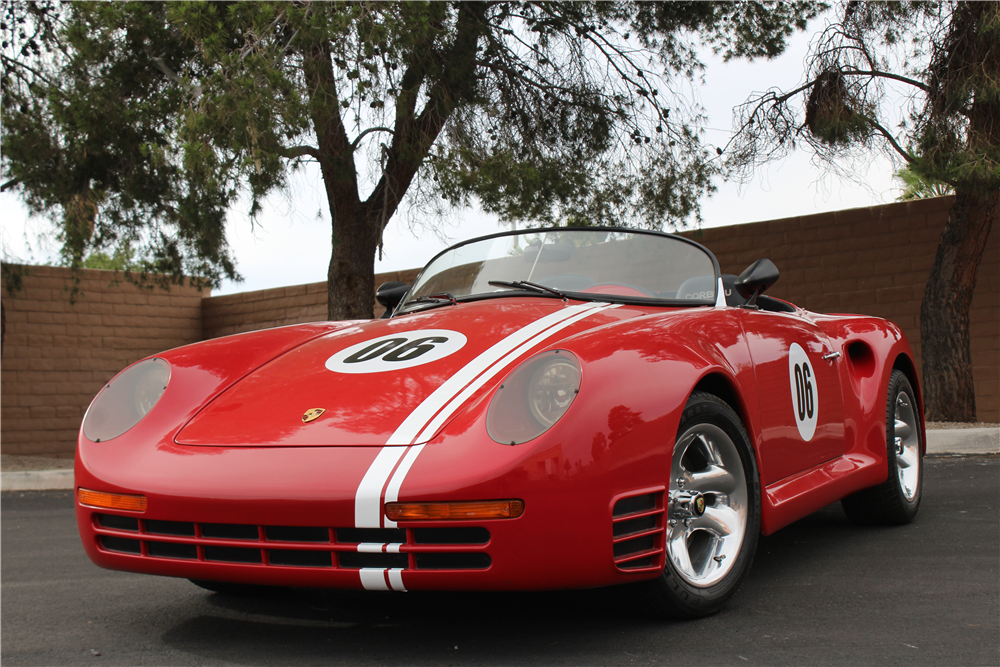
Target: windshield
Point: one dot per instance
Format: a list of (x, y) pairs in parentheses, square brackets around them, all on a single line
[(603, 264)]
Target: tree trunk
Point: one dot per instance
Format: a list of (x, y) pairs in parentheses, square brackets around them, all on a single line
[(351, 277), (949, 391), (357, 225)]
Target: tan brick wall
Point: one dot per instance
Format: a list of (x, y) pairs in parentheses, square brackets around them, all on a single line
[(57, 355), (873, 261), (262, 309)]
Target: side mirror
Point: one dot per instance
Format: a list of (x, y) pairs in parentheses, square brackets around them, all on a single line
[(756, 278), (390, 294)]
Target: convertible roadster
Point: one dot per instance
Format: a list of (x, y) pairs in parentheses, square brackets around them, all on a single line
[(543, 409)]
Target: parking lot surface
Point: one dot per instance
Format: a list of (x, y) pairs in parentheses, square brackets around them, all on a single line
[(821, 592)]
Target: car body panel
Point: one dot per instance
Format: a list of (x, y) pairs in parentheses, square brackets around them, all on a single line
[(367, 408), (243, 483)]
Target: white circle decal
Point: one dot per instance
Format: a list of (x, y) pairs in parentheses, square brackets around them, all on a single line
[(396, 351), (805, 398)]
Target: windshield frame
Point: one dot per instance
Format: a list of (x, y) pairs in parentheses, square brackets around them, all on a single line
[(404, 308)]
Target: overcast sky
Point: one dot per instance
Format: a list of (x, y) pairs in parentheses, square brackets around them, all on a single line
[(290, 244)]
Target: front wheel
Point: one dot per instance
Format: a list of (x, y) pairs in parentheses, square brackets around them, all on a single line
[(895, 501), (713, 513)]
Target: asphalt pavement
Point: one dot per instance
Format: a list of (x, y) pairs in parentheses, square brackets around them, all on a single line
[(821, 592)]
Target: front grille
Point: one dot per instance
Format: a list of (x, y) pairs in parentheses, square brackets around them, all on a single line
[(637, 532), (450, 548), (356, 560)]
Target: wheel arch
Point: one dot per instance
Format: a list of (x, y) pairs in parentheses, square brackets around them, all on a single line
[(720, 385), (904, 364)]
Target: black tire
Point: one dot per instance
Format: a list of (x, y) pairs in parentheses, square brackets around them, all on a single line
[(694, 583), (895, 501), (230, 588)]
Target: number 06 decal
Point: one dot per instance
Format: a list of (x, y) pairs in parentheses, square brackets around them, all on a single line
[(805, 399), (396, 351)]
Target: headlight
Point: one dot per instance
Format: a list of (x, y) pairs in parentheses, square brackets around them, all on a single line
[(126, 399), (533, 397)]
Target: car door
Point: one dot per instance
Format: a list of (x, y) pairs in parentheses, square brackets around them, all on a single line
[(799, 389)]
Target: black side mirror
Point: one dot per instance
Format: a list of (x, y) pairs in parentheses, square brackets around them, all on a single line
[(390, 294), (756, 278)]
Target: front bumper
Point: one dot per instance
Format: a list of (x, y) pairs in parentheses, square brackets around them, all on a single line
[(286, 517)]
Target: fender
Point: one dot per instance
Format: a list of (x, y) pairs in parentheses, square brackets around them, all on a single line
[(866, 345), (201, 371)]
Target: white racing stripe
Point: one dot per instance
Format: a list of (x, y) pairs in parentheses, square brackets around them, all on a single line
[(392, 491), (396, 579), (368, 499), (424, 421), (462, 397), (379, 547), (373, 579), (415, 422)]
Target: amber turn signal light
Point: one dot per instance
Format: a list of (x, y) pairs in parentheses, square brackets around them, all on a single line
[(111, 501), (478, 509)]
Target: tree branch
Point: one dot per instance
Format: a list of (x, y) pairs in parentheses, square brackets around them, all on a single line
[(357, 140), (905, 154), (413, 138), (887, 75), (292, 152)]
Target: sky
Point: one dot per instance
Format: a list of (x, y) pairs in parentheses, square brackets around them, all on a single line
[(290, 242)]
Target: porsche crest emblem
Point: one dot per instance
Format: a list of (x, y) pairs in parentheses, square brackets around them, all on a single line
[(312, 414), (699, 505)]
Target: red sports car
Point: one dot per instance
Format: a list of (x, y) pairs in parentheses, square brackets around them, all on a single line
[(544, 409)]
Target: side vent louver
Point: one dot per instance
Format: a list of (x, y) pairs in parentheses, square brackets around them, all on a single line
[(637, 532)]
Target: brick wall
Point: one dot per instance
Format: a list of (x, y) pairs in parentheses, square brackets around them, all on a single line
[(262, 309), (57, 355), (873, 261)]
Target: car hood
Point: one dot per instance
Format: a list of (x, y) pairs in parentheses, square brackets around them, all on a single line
[(393, 381)]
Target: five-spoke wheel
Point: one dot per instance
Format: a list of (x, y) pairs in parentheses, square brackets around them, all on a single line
[(713, 512), (707, 505), (896, 500)]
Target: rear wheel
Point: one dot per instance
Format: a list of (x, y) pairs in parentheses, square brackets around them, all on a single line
[(895, 501), (713, 513)]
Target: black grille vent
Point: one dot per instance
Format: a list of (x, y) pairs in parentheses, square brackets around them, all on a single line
[(172, 550), (638, 563), (643, 503), (371, 535), (297, 534), (182, 528), (295, 558), (230, 531), (121, 544), (357, 560), (451, 535), (637, 525), (450, 561), (296, 546), (118, 522), (634, 546), (233, 554), (637, 532)]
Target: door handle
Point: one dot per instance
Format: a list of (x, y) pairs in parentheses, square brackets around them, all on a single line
[(831, 356)]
